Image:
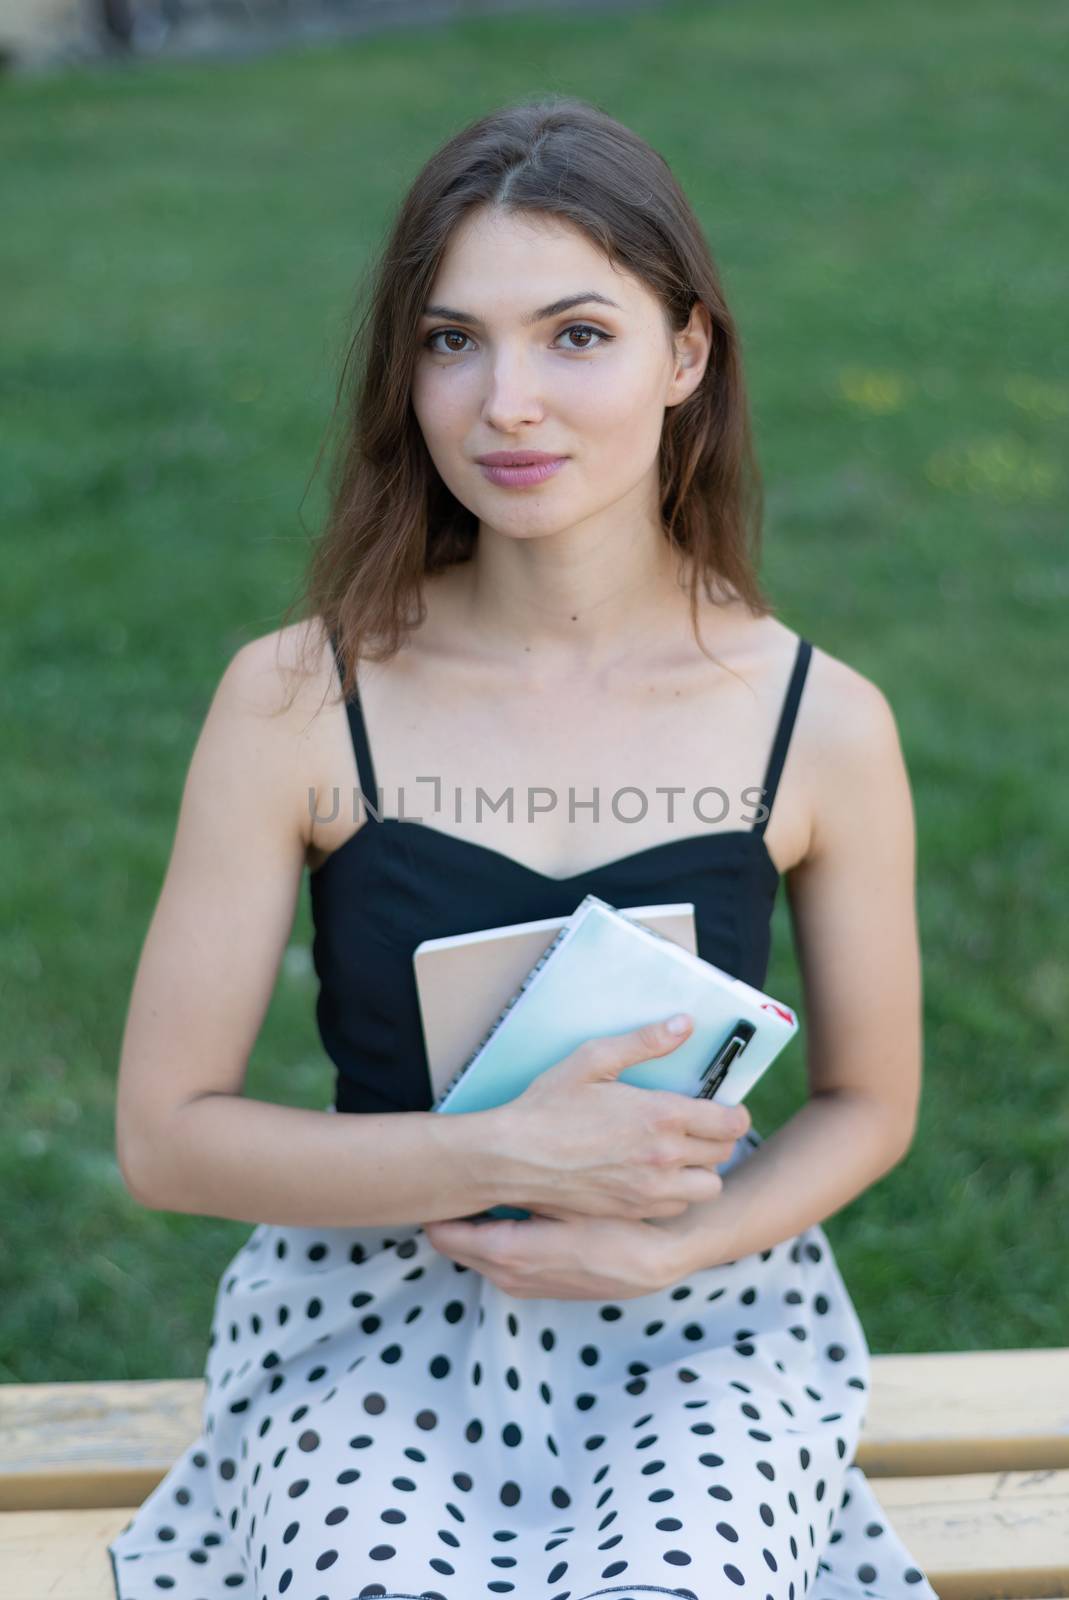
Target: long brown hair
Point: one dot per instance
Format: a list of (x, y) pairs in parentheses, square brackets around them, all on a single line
[(391, 519)]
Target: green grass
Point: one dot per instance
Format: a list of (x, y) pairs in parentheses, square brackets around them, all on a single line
[(884, 193)]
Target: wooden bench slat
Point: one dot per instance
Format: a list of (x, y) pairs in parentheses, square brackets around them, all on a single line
[(984, 1534), (110, 1443), (967, 1411), (93, 1444), (976, 1536)]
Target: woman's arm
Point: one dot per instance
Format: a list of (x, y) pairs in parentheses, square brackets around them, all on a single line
[(853, 911), (186, 1137)]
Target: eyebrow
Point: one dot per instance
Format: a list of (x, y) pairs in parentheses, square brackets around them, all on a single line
[(541, 315)]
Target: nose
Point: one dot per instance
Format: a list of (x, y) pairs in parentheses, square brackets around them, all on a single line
[(512, 396)]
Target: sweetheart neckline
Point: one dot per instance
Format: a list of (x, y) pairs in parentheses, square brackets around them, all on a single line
[(546, 877)]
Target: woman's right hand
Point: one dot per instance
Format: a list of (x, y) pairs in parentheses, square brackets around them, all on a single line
[(576, 1140)]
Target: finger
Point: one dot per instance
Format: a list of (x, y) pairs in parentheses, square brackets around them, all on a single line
[(482, 1241), (699, 1183), (451, 1239), (708, 1120), (608, 1054), (707, 1152)]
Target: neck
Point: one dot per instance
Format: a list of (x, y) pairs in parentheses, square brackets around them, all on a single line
[(570, 603)]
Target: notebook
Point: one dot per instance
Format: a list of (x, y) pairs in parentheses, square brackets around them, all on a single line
[(605, 973), (464, 981)]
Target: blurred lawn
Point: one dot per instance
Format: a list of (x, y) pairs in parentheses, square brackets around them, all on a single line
[(884, 193)]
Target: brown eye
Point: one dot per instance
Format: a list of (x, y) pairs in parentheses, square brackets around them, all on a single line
[(587, 329), (444, 333)]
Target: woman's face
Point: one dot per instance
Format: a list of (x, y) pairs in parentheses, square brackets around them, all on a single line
[(588, 381)]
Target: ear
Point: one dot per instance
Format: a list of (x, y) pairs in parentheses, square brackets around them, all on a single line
[(692, 347)]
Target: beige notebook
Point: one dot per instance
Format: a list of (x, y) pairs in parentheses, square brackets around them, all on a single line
[(465, 980)]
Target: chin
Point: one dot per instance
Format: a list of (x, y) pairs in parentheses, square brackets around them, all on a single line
[(547, 531)]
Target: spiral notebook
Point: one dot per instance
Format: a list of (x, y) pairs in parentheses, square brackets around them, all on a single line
[(604, 973), (464, 981)]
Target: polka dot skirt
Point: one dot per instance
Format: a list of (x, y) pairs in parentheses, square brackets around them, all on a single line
[(379, 1420)]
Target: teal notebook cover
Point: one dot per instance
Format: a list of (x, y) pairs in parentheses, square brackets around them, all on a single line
[(603, 974)]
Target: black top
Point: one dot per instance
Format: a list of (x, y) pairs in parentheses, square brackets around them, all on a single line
[(397, 881)]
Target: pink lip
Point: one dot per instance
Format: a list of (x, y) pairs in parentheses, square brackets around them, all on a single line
[(515, 468)]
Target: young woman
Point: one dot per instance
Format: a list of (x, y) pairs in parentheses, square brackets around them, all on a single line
[(537, 582)]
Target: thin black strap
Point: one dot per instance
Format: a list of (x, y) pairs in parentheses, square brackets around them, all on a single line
[(784, 730), (357, 728)]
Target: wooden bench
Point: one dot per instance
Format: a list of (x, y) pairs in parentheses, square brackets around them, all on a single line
[(969, 1455)]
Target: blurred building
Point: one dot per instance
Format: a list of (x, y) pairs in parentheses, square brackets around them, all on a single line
[(40, 29), (49, 32)]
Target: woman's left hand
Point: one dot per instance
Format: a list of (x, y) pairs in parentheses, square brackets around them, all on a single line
[(563, 1258)]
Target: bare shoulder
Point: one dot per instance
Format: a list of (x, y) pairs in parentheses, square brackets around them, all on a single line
[(287, 673), (852, 750), (843, 706), (279, 685), (853, 901)]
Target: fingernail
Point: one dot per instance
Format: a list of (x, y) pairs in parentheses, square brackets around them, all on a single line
[(679, 1023)]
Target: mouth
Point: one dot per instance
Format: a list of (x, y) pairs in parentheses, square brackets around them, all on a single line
[(518, 468)]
